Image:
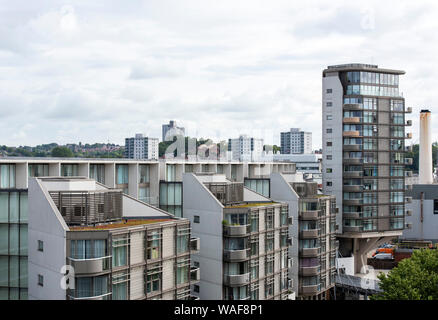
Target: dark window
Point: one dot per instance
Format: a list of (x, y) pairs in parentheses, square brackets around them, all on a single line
[(329, 184), (196, 219), (329, 157), (329, 130), (435, 206), (329, 91), (329, 144), (329, 170), (63, 211), (78, 211), (100, 208), (196, 288), (40, 245), (329, 104), (40, 280)]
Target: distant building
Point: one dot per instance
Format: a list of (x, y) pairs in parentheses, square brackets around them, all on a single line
[(296, 141), (246, 148), (141, 147), (170, 130)]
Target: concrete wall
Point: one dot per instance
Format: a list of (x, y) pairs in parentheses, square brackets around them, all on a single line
[(198, 200), (45, 224)]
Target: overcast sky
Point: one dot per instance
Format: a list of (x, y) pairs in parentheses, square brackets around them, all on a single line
[(94, 71)]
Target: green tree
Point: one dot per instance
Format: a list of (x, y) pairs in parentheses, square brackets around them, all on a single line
[(415, 278), (62, 152)]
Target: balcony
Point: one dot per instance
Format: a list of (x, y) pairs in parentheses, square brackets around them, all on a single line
[(408, 148), (351, 134), (353, 106), (94, 265), (408, 110), (310, 252), (236, 230), (194, 245), (352, 215), (409, 212), (195, 275), (310, 289), (352, 160), (408, 199), (236, 255), (353, 188), (352, 147), (310, 271), (409, 135), (236, 279), (353, 174), (309, 234), (408, 173), (309, 215), (409, 161), (99, 297), (351, 120), (352, 202), (409, 123), (352, 229)]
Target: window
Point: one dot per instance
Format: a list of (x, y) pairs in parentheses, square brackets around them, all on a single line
[(269, 264), (329, 170), (330, 130), (330, 117), (269, 218), (40, 280), (329, 104), (329, 91), (182, 270), (40, 245), (435, 206), (182, 240), (153, 244), (153, 278), (329, 143), (329, 157), (269, 286), (196, 219), (120, 251), (196, 288), (329, 183), (269, 245), (119, 284)]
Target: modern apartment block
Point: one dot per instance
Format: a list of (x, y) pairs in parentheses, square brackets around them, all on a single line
[(170, 130), (246, 148), (141, 147), (296, 142), (158, 183), (245, 240), (108, 245), (364, 120)]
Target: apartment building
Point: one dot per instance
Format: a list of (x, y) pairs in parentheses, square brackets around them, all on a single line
[(246, 148), (296, 141), (140, 147), (171, 130), (158, 183), (245, 240), (312, 264), (114, 247), (364, 120)]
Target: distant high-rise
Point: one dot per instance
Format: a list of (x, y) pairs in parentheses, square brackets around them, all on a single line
[(364, 155), (170, 130), (296, 141), (141, 147), (246, 148)]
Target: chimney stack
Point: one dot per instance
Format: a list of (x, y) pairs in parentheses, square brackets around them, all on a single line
[(425, 166)]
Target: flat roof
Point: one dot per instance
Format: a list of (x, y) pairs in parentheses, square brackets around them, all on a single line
[(250, 204), (117, 225), (361, 67)]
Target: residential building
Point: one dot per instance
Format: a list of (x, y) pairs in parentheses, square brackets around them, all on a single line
[(246, 148), (171, 130), (364, 120), (296, 142), (139, 179), (245, 240), (141, 147), (109, 245)]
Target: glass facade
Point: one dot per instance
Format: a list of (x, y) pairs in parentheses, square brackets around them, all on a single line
[(13, 245), (260, 186), (7, 176), (171, 197), (97, 172)]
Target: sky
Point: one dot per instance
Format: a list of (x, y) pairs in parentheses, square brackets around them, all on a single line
[(99, 71)]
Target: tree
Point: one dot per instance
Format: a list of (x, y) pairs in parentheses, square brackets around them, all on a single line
[(62, 152), (415, 278)]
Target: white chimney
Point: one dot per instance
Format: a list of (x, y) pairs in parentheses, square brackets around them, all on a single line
[(425, 167)]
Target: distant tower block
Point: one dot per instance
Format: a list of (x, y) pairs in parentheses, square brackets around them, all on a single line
[(425, 168)]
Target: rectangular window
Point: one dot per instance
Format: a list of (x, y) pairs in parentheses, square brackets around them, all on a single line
[(329, 183), (329, 170), (153, 278), (435, 206), (329, 104), (40, 245), (329, 143), (329, 90), (329, 157), (153, 244), (40, 280), (196, 219), (196, 288), (329, 117), (330, 130)]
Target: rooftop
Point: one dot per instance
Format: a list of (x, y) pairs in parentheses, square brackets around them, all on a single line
[(115, 225), (250, 204)]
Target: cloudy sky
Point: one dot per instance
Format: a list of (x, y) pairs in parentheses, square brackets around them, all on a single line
[(98, 71)]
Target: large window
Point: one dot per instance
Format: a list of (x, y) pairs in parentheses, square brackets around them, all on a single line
[(7, 176), (91, 287), (153, 250), (122, 172), (182, 240), (88, 249), (97, 172), (269, 264), (269, 242), (182, 270), (38, 170), (153, 278), (120, 283), (120, 251), (258, 185), (69, 170), (171, 197)]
